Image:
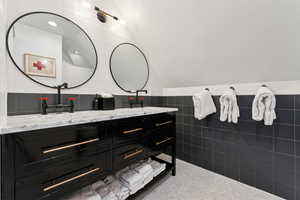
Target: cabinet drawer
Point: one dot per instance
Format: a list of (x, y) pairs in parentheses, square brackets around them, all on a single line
[(37, 149), (128, 130), (161, 137), (61, 178), (160, 142), (161, 121), (129, 154)]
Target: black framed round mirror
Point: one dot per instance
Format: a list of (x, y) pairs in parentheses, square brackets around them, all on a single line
[(51, 49), (129, 67)]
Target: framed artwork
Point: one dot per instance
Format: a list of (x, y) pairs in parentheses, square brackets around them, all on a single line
[(40, 66)]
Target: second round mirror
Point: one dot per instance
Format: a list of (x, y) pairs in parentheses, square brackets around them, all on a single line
[(129, 67)]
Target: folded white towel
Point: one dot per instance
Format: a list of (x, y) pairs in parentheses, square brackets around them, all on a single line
[(88, 193), (103, 191), (131, 178), (136, 188), (148, 180), (75, 196), (203, 105), (106, 95), (110, 196), (98, 185), (157, 167), (109, 179), (119, 190), (229, 109), (120, 172), (142, 168), (159, 171), (263, 106)]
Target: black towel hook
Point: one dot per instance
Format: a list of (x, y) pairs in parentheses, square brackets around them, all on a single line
[(264, 85), (207, 89), (231, 87)]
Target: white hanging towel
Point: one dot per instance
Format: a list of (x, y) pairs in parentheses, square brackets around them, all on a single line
[(203, 105), (263, 106), (229, 109)]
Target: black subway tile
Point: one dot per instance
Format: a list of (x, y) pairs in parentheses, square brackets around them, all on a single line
[(262, 130), (245, 114), (285, 101), (245, 100), (285, 117), (297, 143), (284, 146), (297, 102), (284, 131)]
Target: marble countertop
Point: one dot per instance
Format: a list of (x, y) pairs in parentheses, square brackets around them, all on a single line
[(23, 123)]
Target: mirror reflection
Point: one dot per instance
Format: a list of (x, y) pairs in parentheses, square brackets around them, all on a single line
[(51, 50), (129, 67)]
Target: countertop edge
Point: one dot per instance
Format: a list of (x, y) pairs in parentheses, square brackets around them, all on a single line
[(16, 129)]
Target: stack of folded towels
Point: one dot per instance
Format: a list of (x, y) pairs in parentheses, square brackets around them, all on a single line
[(132, 180), (86, 193), (103, 190), (125, 183), (157, 167), (120, 191), (145, 170)]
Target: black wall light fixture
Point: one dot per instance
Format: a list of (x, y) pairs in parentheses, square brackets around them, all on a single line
[(101, 15)]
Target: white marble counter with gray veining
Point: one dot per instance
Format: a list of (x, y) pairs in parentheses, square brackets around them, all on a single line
[(23, 123)]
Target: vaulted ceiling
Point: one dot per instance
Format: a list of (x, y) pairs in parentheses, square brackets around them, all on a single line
[(200, 42)]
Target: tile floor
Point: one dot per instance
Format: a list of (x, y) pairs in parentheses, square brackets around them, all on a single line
[(195, 183)]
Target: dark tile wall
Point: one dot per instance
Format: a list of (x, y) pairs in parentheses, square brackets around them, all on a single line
[(28, 103), (266, 157)]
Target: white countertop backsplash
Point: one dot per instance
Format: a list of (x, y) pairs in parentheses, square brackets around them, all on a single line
[(23, 123)]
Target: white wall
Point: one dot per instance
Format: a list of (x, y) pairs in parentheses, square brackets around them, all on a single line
[(45, 44), (3, 81), (73, 75), (105, 36), (213, 42), (278, 87), (187, 43)]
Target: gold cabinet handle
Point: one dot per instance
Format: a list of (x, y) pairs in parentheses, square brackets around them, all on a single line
[(70, 180), (164, 123), (70, 146), (161, 142), (133, 154), (132, 131)]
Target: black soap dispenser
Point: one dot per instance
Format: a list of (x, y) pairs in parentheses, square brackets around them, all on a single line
[(96, 103)]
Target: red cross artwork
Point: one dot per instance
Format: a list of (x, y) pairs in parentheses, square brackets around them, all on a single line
[(39, 65)]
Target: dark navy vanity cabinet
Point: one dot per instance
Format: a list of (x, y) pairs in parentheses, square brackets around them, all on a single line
[(47, 164)]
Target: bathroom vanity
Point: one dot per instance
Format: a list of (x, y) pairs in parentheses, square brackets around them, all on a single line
[(46, 157)]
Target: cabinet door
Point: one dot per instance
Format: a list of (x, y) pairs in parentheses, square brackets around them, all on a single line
[(38, 149), (64, 178)]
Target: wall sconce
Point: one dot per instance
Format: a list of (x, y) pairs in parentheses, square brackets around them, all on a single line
[(101, 15)]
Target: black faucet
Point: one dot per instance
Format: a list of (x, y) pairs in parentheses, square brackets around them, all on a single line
[(137, 100), (137, 94), (59, 104), (59, 87)]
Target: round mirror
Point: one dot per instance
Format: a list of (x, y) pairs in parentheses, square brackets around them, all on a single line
[(129, 67), (51, 49)]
